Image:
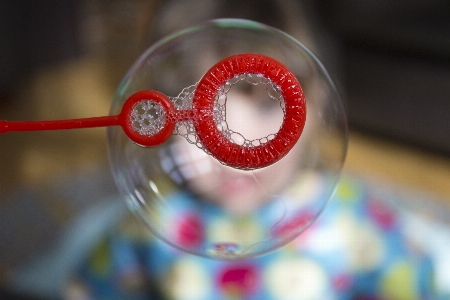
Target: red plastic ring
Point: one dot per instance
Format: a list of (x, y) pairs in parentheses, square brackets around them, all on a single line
[(127, 123), (244, 157)]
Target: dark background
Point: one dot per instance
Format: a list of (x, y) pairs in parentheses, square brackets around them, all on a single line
[(396, 57)]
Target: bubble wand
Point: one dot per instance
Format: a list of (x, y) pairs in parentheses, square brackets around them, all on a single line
[(149, 117)]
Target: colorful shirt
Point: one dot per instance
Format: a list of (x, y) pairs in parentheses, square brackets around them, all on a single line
[(355, 250)]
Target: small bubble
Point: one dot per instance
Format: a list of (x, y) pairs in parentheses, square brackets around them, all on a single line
[(234, 80), (226, 87), (283, 105), (137, 125), (224, 125), (273, 91), (140, 109), (222, 100), (265, 81), (248, 143), (253, 79), (237, 138), (182, 129), (192, 138)]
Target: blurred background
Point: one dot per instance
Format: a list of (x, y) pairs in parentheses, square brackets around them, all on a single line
[(64, 59)]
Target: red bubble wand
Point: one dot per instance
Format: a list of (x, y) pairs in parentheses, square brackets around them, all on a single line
[(212, 140)]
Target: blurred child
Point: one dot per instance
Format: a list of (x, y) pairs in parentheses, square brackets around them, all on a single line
[(355, 250)]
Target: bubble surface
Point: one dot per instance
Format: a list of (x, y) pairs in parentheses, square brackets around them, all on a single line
[(185, 196)]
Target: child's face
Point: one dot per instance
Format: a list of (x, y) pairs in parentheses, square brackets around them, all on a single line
[(251, 112)]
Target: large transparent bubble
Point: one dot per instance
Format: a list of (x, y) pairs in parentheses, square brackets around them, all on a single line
[(189, 199)]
